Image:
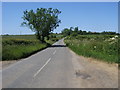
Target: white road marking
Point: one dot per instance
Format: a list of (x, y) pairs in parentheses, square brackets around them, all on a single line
[(42, 67), (54, 52)]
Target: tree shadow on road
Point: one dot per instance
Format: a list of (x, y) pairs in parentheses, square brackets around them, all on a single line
[(58, 46)]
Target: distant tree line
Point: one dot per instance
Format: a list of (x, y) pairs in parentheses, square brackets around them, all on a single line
[(75, 31)]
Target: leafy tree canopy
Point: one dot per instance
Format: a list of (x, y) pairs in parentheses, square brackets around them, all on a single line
[(42, 21)]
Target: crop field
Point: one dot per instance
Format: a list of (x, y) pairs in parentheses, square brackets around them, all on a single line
[(20, 46), (101, 47)]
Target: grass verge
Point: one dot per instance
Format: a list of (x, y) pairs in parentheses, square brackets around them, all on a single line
[(16, 47), (98, 47), (18, 51)]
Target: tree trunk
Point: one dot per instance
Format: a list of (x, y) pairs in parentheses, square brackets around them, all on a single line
[(48, 37), (42, 39), (38, 36)]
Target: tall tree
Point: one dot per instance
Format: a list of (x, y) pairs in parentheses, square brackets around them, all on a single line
[(42, 21)]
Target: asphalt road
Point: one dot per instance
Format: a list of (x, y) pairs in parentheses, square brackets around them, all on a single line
[(57, 67), (49, 68)]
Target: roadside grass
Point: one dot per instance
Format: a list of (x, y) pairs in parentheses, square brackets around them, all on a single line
[(15, 52), (101, 47), (15, 47), (25, 37)]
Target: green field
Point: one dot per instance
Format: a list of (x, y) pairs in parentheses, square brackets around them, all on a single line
[(101, 47), (15, 47)]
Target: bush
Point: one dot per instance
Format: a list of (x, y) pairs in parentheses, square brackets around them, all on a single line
[(54, 39)]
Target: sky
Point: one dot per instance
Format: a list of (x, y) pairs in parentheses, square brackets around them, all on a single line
[(60, 0), (88, 16)]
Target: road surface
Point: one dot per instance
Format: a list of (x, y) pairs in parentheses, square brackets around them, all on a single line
[(57, 67)]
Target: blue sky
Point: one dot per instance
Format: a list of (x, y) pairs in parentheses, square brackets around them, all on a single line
[(89, 16)]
